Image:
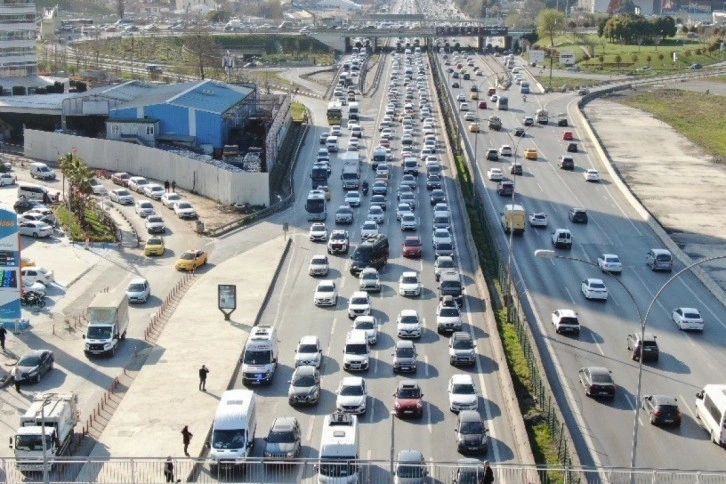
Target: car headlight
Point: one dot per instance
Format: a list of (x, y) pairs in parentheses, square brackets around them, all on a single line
[(268, 454), (397, 405), (419, 405), (290, 454)]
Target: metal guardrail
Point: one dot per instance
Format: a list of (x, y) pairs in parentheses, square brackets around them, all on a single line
[(258, 470)]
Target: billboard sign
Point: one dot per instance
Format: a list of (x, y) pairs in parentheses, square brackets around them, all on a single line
[(226, 299), (567, 58), (537, 56), (10, 283)]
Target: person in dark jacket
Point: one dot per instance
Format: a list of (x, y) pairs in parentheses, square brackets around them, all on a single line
[(488, 473), (203, 372), (169, 470), (186, 439)]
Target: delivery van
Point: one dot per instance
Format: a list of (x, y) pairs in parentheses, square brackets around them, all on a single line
[(513, 219), (234, 427)]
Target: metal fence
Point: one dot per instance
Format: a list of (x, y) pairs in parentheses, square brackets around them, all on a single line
[(152, 470)]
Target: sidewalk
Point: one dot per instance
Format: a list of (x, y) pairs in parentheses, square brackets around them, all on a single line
[(164, 395)]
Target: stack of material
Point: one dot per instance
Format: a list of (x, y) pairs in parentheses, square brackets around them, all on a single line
[(252, 162)]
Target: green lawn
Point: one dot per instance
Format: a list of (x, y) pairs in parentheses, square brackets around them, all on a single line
[(633, 57), (698, 116), (99, 225)]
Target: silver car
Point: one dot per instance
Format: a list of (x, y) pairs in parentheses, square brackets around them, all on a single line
[(410, 468), (404, 356), (284, 439)]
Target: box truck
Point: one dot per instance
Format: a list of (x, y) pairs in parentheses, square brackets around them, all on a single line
[(108, 321)]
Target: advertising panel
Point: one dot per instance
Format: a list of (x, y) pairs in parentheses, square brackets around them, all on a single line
[(567, 58), (537, 56), (10, 283)]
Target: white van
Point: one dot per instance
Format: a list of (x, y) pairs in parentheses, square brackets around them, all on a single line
[(259, 360), (233, 430), (36, 192), (339, 450), (41, 171), (711, 411), (356, 355), (331, 143)]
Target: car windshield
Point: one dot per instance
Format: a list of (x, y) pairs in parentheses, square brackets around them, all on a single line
[(351, 391), (409, 279), (99, 332), (183, 205), (123, 193), (338, 236), (668, 409), (326, 288), (303, 381), (319, 260), (343, 468), (408, 393), (463, 344), (692, 315), (365, 324), (154, 218), (449, 312), (307, 348), (29, 360), (412, 243), (285, 437), (356, 349), (173, 197), (136, 287), (463, 389), (253, 357), (370, 275), (612, 260), (597, 285), (411, 471), (600, 378), (472, 428), (32, 442), (359, 300), (470, 476), (663, 257), (405, 352), (228, 439), (409, 319), (189, 256)]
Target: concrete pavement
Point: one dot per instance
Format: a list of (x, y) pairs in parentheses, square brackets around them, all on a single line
[(164, 395)]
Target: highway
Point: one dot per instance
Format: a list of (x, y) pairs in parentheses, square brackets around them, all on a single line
[(602, 429), (291, 310)]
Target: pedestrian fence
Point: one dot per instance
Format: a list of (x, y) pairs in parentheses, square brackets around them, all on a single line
[(258, 470), (159, 319)]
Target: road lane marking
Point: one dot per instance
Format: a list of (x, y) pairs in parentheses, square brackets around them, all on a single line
[(599, 348), (428, 418), (683, 401), (426, 368), (283, 290)]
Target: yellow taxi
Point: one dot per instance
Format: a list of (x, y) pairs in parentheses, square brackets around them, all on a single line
[(530, 154), (26, 262), (191, 260), (474, 96), (474, 128), (154, 246)]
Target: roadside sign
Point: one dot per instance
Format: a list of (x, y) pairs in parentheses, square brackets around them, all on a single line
[(567, 58), (537, 56)]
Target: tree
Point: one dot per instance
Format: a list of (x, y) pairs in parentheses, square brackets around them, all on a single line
[(618, 60), (120, 10), (601, 26), (202, 48), (661, 57), (648, 59), (550, 23), (79, 177), (634, 58)]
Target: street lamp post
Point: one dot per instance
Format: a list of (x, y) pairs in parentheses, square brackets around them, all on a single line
[(393, 432), (476, 137), (550, 254)]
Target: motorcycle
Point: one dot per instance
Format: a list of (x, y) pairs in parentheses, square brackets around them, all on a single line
[(32, 299), (364, 187)]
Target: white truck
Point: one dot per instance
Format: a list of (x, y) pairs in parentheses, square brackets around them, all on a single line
[(259, 360), (108, 321), (351, 170), (54, 415), (339, 450), (541, 116), (233, 431)]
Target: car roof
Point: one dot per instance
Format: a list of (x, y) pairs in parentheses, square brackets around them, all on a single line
[(282, 424), (462, 378), (404, 343), (567, 312), (352, 381), (138, 280), (598, 370), (664, 400), (461, 335), (592, 280), (309, 339), (305, 370), (469, 416), (409, 456)]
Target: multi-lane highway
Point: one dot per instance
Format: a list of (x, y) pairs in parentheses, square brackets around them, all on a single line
[(602, 429)]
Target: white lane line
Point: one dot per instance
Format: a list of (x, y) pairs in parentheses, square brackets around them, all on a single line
[(428, 418), (284, 286), (599, 348), (426, 368), (683, 402), (569, 294)]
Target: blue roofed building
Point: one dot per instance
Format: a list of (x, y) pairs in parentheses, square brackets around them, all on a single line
[(200, 113)]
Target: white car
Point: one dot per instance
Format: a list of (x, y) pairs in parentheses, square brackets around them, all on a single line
[(463, 106), (155, 224), (319, 265), (593, 288), (137, 184), (34, 229), (408, 324), (538, 219), (442, 236), (352, 198), (376, 214), (409, 222), (8, 179), (309, 352), (462, 393), (37, 274), (122, 196), (368, 229), (495, 174), (352, 395), (370, 325), (170, 199), (318, 232), (688, 319), (470, 116), (144, 208), (96, 187), (184, 210), (359, 304), (138, 290), (460, 97), (610, 263), (591, 175), (369, 280), (326, 294), (409, 284), (448, 317), (505, 150), (154, 191), (402, 209)]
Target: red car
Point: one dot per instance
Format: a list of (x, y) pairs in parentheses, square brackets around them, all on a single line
[(491, 91), (482, 104), (408, 399), (412, 246), (121, 178), (568, 136)]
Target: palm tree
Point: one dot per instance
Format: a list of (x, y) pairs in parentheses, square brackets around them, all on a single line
[(79, 177)]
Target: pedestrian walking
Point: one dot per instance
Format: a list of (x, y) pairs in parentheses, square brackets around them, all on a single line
[(169, 470), (166, 186), (3, 334), (17, 385), (173, 186), (488, 473), (186, 438), (203, 372)]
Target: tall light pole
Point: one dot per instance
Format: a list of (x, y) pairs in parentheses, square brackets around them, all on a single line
[(550, 254), (476, 137)]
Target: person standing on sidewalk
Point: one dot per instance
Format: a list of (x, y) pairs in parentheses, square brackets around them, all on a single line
[(173, 186), (169, 470), (186, 439), (488, 473), (166, 186), (203, 372), (3, 334)]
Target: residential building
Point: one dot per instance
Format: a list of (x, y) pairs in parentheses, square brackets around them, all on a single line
[(17, 38)]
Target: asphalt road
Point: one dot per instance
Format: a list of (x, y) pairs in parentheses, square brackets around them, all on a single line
[(603, 430), (291, 310)]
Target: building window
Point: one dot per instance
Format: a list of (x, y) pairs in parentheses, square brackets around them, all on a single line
[(114, 129), (150, 130)]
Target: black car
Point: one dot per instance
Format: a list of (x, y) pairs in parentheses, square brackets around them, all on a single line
[(438, 196), (662, 410), (572, 147), (515, 169), (505, 188), (519, 131), (33, 365), (433, 182), (597, 382), (492, 155), (455, 85), (577, 215), (567, 163), (562, 122), (648, 345), (24, 204)]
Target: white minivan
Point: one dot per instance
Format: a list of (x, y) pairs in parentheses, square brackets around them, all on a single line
[(41, 171), (233, 429)]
